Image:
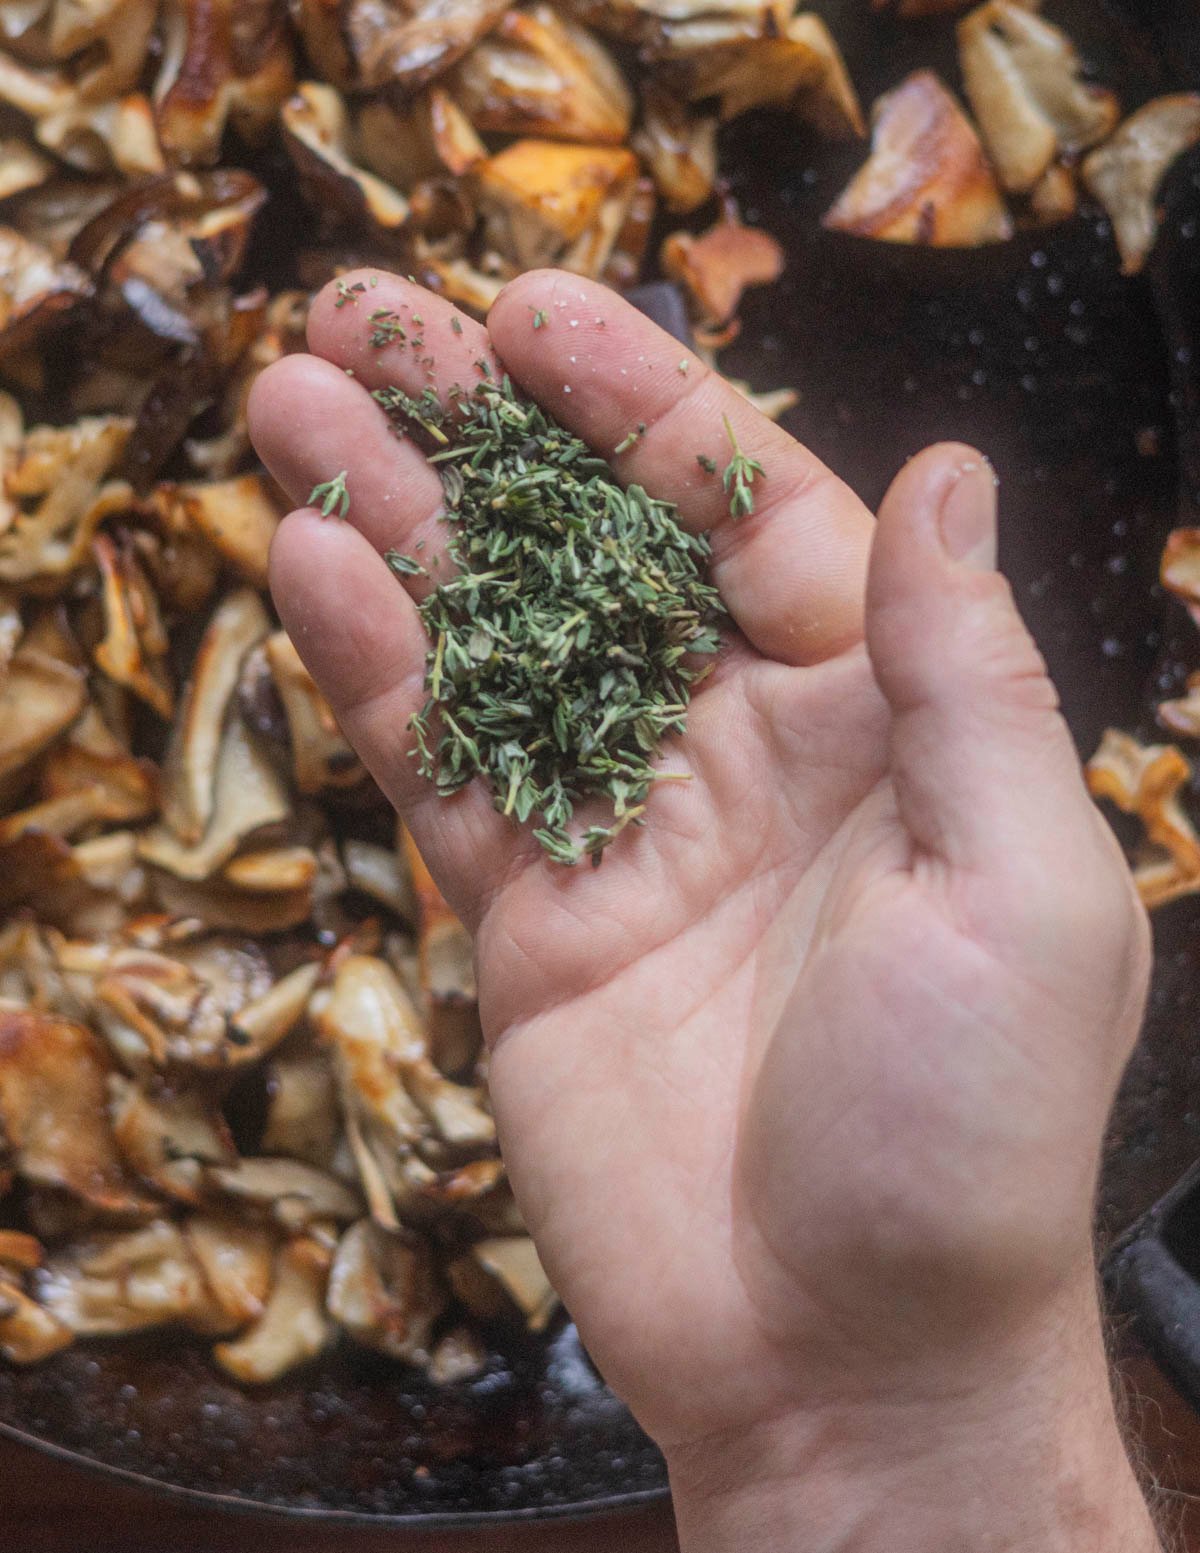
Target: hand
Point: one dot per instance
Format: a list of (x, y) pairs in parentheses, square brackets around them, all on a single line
[(802, 1092)]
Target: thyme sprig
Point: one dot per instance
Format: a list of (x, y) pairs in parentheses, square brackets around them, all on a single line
[(331, 496), (739, 477)]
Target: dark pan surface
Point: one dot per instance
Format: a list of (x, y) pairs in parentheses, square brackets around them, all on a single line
[(1041, 354)]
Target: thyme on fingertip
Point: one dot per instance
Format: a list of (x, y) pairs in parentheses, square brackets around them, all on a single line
[(331, 498)]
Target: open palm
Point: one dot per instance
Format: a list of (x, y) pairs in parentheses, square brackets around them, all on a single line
[(818, 1062)]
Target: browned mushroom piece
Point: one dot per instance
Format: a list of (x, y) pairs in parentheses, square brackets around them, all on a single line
[(1126, 173), (294, 1326), (57, 485), (458, 280), (385, 1292), (316, 130), (286, 1192), (1181, 715), (539, 73), (302, 1109), (1024, 80), (403, 44), (1179, 568), (428, 137), (321, 757), (36, 290), (237, 517), (927, 180), (460, 1355), (716, 268), (105, 137), (446, 968), (111, 1284), (503, 1277), (679, 147), (105, 42), (236, 1261), (1148, 781), (133, 650), (28, 1333), (544, 202), (53, 1095), (223, 61), (167, 1134), (379, 872), (39, 698), (678, 26), (21, 167)]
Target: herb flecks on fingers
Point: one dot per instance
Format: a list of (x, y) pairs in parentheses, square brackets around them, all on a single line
[(331, 497), (565, 648)]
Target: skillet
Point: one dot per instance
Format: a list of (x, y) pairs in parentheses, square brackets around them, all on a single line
[(1075, 382)]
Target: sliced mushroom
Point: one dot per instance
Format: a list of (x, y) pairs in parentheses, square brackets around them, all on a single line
[(679, 147), (225, 907), (384, 1291), (53, 1077), (236, 1261), (105, 137), (927, 180), (190, 771), (378, 872), (460, 281), (403, 44), (134, 647), (21, 167), (446, 968), (1126, 173), (1147, 781), (541, 74), (109, 1285), (287, 1192), (539, 198), (502, 1277), (259, 1025), (28, 1333), (677, 26), (316, 130), (460, 1355), (19, 1252), (39, 698), (431, 137), (167, 1135), (293, 1327), (1024, 81), (302, 1111), (1182, 716), (36, 290), (716, 268), (321, 757), (104, 42)]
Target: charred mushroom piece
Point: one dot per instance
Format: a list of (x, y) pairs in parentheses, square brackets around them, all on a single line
[(1147, 781), (321, 757), (317, 135), (540, 74), (503, 1277), (293, 1327), (679, 147), (1023, 79), (927, 180), (540, 198), (53, 1078), (286, 1192), (404, 44), (384, 1291), (109, 1285), (36, 290), (715, 268), (167, 1135), (190, 771), (1126, 173)]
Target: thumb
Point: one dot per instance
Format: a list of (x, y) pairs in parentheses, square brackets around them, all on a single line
[(984, 768)]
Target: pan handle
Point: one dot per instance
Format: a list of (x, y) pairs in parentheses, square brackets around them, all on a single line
[(1163, 1298)]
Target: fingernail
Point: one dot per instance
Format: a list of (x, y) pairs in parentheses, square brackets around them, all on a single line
[(968, 516)]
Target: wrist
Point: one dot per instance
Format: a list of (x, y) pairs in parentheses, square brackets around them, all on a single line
[(1025, 1455)]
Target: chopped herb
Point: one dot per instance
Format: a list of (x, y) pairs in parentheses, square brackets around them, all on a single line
[(417, 319), (563, 645), (632, 439), (347, 293), (541, 318), (709, 465), (386, 328), (684, 368), (374, 281), (331, 497), (404, 565), (455, 323), (739, 477)]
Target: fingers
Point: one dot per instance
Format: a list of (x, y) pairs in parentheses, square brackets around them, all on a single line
[(984, 765), (792, 574)]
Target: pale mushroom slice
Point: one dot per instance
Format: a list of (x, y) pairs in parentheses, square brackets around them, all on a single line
[(927, 180), (1181, 716), (167, 1134), (222, 62), (39, 698), (36, 290), (302, 1109), (111, 1284), (28, 1332), (715, 268), (384, 1291), (57, 487), (659, 26), (286, 1192), (503, 1276), (236, 1261), (446, 970), (1126, 173), (226, 907), (403, 44), (100, 138), (316, 131), (1147, 781), (539, 73), (380, 873), (190, 770), (679, 147), (1024, 80), (1179, 568), (321, 757), (104, 42), (21, 167), (53, 1078), (294, 1326), (430, 137), (133, 650), (237, 517), (540, 199), (248, 795), (459, 1356), (460, 281)]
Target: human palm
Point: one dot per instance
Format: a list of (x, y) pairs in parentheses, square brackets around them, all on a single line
[(783, 1086)]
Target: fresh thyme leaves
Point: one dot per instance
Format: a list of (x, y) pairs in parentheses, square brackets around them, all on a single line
[(631, 439), (386, 327), (564, 647), (347, 293), (739, 477), (331, 497), (709, 465), (404, 565), (685, 367), (455, 324), (541, 318)]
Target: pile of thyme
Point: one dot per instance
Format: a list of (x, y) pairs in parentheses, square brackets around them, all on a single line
[(565, 647)]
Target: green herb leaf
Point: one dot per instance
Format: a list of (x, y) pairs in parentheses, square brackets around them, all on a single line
[(331, 497), (739, 477)]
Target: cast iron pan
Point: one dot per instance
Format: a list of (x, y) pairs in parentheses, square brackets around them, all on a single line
[(1068, 376)]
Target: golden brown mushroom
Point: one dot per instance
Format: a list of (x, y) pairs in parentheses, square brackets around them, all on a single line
[(21, 167), (502, 1277), (321, 757), (36, 290), (39, 698), (679, 147), (384, 1291), (112, 1284), (716, 267), (294, 1326), (316, 130), (1126, 173), (404, 44), (1147, 781), (541, 200)]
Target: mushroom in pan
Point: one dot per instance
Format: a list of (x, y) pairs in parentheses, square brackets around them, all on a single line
[(1182, 714), (166, 1135), (39, 698), (316, 131), (403, 44), (236, 1261), (302, 1109), (384, 1290), (1147, 781), (134, 647), (446, 970), (109, 1284), (715, 268), (542, 201), (1127, 172), (105, 42), (104, 137), (36, 290), (286, 1191), (237, 517), (503, 1276), (429, 137), (294, 1326), (321, 757), (927, 180), (28, 1333), (680, 148), (1024, 81)]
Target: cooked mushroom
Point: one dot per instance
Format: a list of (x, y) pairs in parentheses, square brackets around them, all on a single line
[(540, 74), (236, 516), (36, 290), (927, 180), (236, 1261), (316, 131), (293, 1327), (1023, 79), (111, 1284), (504, 1276), (1179, 569), (1126, 173), (321, 757), (105, 42), (1182, 715), (429, 137), (679, 147), (103, 137), (1147, 780), (302, 1112), (459, 1356), (167, 1135), (287, 1192), (404, 44), (28, 1334), (134, 647), (715, 268), (21, 167), (53, 1077), (39, 698), (539, 198), (446, 967), (384, 1290)]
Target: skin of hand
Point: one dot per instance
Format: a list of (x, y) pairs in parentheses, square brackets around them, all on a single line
[(802, 1092)]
